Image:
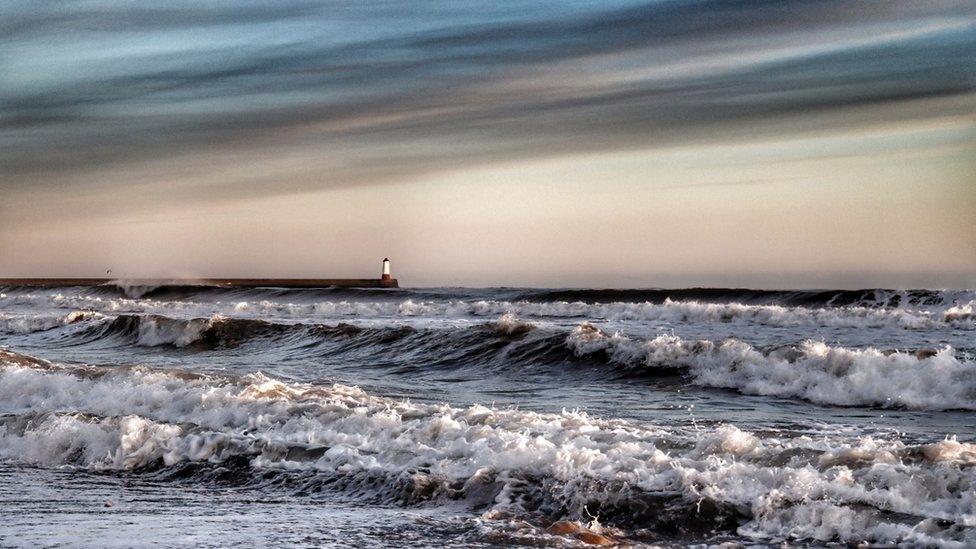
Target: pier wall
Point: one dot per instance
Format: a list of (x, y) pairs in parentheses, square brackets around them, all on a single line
[(222, 282)]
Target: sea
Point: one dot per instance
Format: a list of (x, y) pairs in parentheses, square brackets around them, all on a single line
[(199, 416)]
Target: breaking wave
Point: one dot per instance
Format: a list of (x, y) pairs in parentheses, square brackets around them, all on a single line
[(923, 379), (959, 315), (26, 324), (222, 332), (928, 379), (195, 333), (507, 464)]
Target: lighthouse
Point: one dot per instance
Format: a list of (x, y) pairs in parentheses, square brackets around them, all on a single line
[(386, 270)]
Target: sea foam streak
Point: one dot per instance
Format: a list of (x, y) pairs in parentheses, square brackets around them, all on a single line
[(504, 462)]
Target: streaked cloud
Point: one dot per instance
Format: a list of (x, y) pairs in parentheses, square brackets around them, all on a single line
[(90, 83)]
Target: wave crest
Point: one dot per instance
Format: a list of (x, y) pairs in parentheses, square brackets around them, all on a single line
[(926, 379), (811, 370), (668, 310), (27, 324)]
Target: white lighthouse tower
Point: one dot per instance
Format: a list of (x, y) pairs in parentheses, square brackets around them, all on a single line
[(386, 269)]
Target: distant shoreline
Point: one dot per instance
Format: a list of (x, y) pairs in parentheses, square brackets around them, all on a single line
[(221, 282)]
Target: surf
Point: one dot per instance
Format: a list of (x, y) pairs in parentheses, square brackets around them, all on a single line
[(500, 463)]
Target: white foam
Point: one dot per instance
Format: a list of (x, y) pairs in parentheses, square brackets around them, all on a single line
[(960, 313), (155, 330), (26, 323), (509, 324), (811, 370), (125, 419), (669, 311)]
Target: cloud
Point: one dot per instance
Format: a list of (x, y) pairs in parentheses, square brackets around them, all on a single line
[(379, 91)]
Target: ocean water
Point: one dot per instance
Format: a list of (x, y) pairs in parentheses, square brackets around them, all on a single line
[(200, 416)]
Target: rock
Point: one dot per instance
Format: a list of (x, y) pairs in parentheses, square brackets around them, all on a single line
[(563, 527), (580, 532), (592, 538)]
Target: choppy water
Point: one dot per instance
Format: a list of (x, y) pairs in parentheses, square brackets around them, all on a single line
[(466, 417)]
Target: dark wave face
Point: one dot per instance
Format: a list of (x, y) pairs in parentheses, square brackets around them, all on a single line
[(503, 416), (806, 298), (874, 297)]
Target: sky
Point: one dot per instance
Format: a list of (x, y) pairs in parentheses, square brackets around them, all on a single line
[(760, 143)]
